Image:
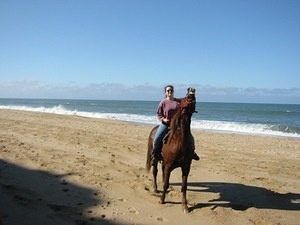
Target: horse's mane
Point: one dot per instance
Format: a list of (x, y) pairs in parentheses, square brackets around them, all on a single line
[(177, 131), (175, 122)]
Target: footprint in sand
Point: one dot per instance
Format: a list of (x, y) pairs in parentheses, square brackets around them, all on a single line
[(122, 199), (161, 219), (133, 210)]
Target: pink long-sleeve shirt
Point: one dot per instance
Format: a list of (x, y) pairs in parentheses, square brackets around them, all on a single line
[(167, 109)]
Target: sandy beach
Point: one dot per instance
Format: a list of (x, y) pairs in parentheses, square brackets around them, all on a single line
[(69, 170)]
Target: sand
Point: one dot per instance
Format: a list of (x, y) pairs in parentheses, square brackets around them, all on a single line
[(63, 170)]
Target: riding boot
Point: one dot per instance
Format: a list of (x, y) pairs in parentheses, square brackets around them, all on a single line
[(195, 156)]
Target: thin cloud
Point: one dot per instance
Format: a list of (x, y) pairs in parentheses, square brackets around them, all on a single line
[(118, 91)]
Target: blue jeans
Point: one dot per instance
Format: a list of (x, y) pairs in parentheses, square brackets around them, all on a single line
[(159, 135)]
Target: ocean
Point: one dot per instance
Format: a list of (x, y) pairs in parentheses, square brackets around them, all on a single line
[(246, 118)]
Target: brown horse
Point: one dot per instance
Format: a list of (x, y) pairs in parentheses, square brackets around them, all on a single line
[(176, 151)]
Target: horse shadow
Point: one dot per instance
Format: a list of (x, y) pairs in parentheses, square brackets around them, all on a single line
[(241, 197), (46, 198)]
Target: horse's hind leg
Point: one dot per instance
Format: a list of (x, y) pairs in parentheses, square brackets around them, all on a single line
[(148, 161), (154, 180), (166, 179)]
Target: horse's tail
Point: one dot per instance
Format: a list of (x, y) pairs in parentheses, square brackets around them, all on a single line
[(150, 148), (148, 162)]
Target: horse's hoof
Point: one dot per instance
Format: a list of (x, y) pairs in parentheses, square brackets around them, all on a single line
[(161, 202), (185, 210)]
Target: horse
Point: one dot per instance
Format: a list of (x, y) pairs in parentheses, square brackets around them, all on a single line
[(176, 150)]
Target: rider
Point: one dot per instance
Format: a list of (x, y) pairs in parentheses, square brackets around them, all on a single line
[(165, 111)]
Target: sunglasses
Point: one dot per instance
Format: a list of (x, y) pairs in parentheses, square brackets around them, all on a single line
[(170, 90)]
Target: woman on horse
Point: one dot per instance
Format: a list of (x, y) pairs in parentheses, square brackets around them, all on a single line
[(165, 111)]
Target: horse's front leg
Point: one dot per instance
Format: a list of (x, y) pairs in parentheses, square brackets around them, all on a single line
[(154, 180), (185, 173), (166, 178)]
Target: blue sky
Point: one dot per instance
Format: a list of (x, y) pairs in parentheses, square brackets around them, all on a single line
[(231, 51)]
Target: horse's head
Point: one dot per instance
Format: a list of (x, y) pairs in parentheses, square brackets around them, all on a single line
[(191, 93)]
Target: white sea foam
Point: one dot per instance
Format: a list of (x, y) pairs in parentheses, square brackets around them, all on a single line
[(236, 127), (216, 126)]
